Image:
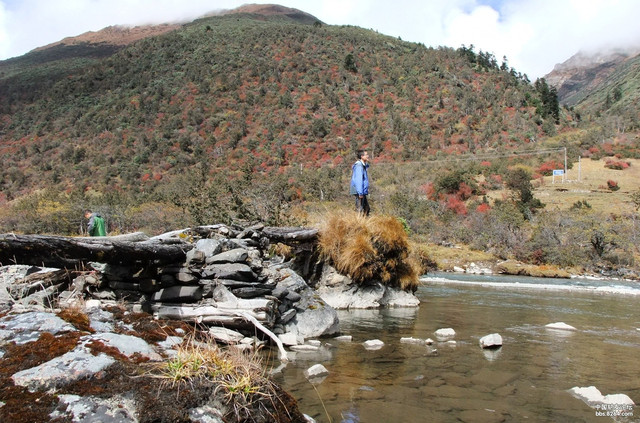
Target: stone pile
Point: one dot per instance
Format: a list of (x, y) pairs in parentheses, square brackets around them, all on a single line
[(228, 279)]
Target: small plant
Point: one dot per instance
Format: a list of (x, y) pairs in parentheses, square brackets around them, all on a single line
[(580, 204), (238, 377), (612, 185)]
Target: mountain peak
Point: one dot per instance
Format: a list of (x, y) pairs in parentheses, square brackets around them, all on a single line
[(582, 72), (273, 10), (119, 35)]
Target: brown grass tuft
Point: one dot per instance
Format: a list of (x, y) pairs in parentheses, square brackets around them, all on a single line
[(368, 249)]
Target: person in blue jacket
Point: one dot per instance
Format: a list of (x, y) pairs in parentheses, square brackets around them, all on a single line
[(360, 182)]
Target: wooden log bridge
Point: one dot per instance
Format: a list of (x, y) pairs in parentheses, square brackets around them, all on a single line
[(74, 252)]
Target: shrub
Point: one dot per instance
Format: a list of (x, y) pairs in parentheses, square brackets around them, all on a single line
[(612, 185), (548, 167), (616, 165), (239, 378), (368, 249)]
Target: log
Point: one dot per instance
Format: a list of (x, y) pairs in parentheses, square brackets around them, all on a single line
[(132, 237), (206, 314), (290, 234), (71, 253), (220, 316)]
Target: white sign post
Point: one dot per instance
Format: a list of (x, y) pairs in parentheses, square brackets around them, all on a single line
[(558, 172)]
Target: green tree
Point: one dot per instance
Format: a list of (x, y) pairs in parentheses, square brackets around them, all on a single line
[(549, 106), (350, 63), (519, 180)]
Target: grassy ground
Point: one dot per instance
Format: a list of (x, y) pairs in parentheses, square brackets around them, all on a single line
[(584, 182), (588, 182)]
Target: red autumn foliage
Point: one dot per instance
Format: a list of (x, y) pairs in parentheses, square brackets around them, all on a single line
[(483, 208), (547, 168), (616, 165), (464, 191), (456, 205)]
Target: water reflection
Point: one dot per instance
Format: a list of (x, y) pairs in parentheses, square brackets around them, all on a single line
[(526, 379)]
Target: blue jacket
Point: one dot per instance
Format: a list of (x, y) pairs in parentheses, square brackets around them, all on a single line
[(359, 179)]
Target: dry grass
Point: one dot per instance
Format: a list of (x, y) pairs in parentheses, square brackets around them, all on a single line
[(234, 375), (515, 268), (592, 187), (445, 258), (367, 249), (588, 182), (282, 250)]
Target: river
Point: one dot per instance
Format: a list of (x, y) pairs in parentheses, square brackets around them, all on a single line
[(527, 379)]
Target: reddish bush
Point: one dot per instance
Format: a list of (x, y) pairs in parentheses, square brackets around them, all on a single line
[(612, 185), (483, 208), (616, 165), (464, 191), (429, 190), (456, 205), (547, 168)]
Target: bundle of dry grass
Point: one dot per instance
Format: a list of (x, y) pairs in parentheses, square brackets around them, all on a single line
[(369, 249)]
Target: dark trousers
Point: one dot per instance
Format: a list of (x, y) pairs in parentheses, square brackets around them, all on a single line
[(362, 205)]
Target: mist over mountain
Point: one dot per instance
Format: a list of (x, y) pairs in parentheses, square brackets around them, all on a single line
[(584, 72)]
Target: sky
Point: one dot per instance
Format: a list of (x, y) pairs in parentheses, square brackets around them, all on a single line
[(534, 35)]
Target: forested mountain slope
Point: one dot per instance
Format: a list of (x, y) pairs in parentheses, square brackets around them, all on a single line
[(251, 90)]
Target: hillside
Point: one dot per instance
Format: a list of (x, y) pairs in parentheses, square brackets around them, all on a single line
[(222, 87), (255, 117)]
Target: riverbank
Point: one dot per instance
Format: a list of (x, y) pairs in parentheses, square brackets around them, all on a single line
[(461, 259), (99, 361)]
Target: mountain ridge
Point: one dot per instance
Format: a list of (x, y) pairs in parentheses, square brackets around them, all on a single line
[(584, 72)]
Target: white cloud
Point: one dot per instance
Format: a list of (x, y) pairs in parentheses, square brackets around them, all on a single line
[(533, 34)]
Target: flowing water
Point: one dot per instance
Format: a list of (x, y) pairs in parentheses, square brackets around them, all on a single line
[(527, 379)]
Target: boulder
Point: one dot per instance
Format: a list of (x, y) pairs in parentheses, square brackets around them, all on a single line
[(340, 292), (225, 335), (398, 298), (234, 271), (179, 294), (444, 334), (314, 317), (289, 339), (195, 257), (210, 247), (290, 280), (288, 315), (352, 296), (317, 370), (493, 340), (594, 398), (373, 344), (237, 255), (560, 326), (118, 409), (70, 367), (252, 291), (185, 276), (127, 345)]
